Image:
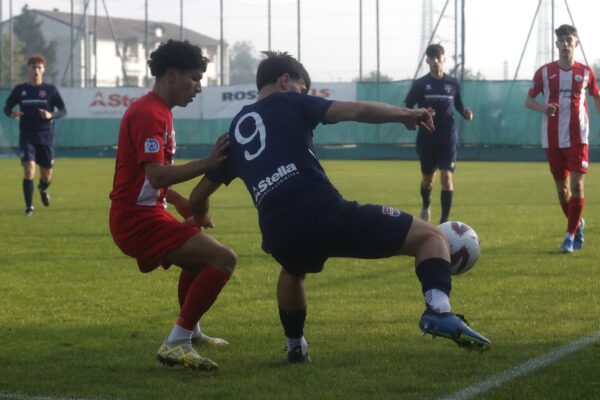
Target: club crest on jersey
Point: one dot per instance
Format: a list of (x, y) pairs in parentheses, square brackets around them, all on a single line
[(578, 78), (24, 93), (392, 212), (151, 146), (42, 93), (448, 88), (428, 87)]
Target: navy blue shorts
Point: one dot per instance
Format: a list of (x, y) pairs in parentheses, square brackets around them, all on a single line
[(433, 156), (42, 154), (352, 230)]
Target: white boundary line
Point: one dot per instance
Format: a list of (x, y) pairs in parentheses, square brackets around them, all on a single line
[(497, 380), (492, 382)]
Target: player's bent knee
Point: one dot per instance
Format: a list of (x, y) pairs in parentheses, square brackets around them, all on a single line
[(226, 261)]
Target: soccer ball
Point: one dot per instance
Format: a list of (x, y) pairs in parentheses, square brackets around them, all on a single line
[(464, 245)]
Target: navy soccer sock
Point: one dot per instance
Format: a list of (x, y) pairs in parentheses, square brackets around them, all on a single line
[(434, 273), (446, 197), (28, 192), (42, 186), (426, 197), (293, 322)]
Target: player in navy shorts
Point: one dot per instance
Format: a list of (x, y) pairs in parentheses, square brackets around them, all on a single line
[(440, 92), (39, 105), (303, 218)]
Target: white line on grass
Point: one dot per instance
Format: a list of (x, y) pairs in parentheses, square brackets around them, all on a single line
[(522, 369)]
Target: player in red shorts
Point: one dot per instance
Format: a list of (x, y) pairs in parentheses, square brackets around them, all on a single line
[(139, 222), (566, 127)]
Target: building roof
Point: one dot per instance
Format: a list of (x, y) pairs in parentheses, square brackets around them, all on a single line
[(127, 29)]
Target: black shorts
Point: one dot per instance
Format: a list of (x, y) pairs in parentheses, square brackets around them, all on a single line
[(352, 230), (433, 156), (42, 154)]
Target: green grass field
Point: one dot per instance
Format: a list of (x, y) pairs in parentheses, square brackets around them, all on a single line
[(78, 320)]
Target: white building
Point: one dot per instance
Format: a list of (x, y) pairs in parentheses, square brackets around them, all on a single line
[(113, 53)]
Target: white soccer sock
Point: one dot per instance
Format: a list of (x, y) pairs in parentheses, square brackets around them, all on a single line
[(569, 236), (292, 343), (196, 331), (437, 300), (179, 335)]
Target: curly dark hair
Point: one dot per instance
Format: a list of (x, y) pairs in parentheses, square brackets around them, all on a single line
[(176, 54), (279, 63)]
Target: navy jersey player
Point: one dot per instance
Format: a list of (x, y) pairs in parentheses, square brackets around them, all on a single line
[(303, 218), (441, 93), (39, 105)]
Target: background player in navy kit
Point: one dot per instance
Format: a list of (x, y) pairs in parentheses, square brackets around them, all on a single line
[(440, 92), (303, 218), (39, 105)]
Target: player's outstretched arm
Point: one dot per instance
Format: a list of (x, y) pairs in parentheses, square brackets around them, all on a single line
[(379, 113), (166, 175), (199, 201)]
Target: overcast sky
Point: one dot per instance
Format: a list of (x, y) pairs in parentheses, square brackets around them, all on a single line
[(496, 30)]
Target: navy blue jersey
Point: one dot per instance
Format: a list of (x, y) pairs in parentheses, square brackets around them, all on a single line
[(441, 95), (30, 99), (271, 149)]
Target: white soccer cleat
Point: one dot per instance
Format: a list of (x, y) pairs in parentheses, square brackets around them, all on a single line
[(206, 340)]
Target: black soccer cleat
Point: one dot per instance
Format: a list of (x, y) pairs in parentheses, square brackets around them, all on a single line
[(45, 198)]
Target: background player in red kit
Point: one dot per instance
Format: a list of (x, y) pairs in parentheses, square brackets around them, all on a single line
[(565, 127), (140, 224)]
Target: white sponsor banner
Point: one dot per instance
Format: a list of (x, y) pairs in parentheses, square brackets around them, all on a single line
[(215, 102)]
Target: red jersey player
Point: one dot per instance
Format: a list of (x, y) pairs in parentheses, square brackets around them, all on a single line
[(565, 127), (139, 223)]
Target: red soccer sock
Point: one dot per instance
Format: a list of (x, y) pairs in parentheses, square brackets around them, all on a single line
[(565, 208), (186, 278), (201, 295), (575, 211)]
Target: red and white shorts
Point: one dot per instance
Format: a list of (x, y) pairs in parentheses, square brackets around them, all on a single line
[(564, 161), (148, 234)]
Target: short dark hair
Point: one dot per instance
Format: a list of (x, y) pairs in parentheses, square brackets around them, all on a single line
[(176, 54), (279, 63), (434, 51), (36, 59), (566, 30)]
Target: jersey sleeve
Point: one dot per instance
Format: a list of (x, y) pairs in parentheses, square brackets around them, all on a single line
[(11, 101), (593, 85), (412, 98), (458, 103), (147, 137), (536, 84), (314, 109), (220, 174), (57, 101)]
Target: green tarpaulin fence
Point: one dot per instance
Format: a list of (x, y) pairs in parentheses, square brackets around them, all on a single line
[(500, 120)]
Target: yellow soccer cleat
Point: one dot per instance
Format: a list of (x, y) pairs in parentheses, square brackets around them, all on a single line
[(184, 354)]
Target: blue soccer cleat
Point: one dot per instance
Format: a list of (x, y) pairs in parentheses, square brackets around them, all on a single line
[(567, 245), (453, 327), (578, 241)]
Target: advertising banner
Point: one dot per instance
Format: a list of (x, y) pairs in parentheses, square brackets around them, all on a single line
[(215, 102)]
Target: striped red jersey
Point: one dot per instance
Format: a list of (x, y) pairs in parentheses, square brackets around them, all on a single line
[(571, 124)]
